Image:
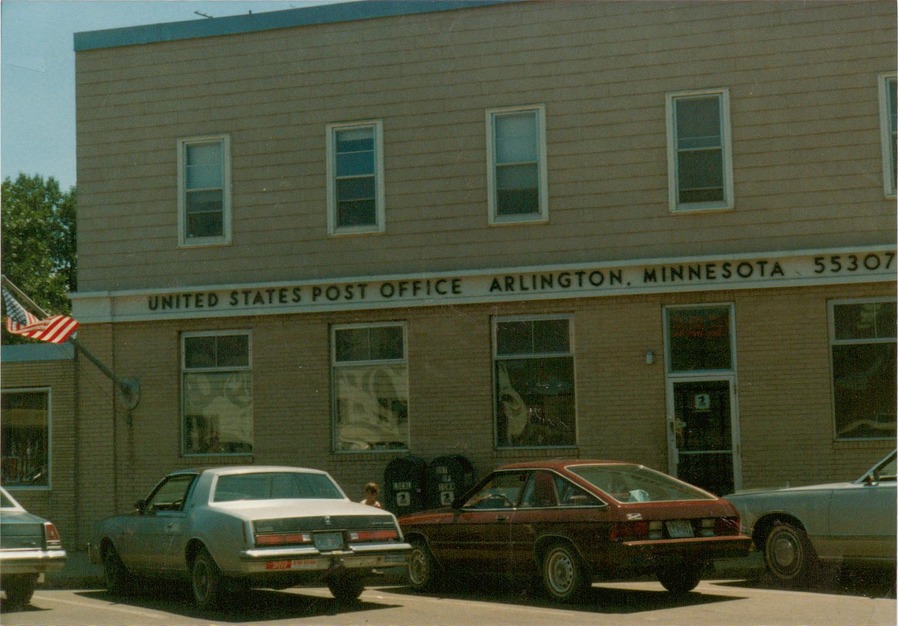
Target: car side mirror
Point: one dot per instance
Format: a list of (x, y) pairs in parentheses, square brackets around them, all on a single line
[(141, 506), (457, 504)]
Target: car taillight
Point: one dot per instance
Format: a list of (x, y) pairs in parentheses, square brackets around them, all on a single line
[(374, 535), (630, 531), (51, 536), (283, 539)]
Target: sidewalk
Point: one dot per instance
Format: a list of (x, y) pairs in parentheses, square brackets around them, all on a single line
[(80, 573)]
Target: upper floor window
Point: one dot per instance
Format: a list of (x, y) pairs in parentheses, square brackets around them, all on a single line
[(217, 388), (204, 197), (534, 382), (862, 339), (516, 157), (26, 438), (699, 151), (370, 386), (355, 189), (889, 122)]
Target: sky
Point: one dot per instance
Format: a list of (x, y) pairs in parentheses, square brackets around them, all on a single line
[(37, 69)]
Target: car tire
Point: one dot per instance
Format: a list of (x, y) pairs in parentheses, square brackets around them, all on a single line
[(346, 587), (681, 578), (421, 567), (116, 576), (206, 581), (19, 590), (788, 554), (563, 572)]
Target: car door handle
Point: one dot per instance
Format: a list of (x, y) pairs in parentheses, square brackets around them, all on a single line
[(501, 518)]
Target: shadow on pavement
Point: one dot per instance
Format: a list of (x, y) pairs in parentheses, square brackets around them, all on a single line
[(599, 599), (861, 582), (247, 606)]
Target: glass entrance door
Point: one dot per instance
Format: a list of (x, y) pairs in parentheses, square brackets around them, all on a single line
[(701, 434)]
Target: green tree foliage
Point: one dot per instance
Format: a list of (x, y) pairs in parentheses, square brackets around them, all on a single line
[(38, 226)]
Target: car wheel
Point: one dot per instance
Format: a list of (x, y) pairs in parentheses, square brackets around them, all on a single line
[(205, 578), (421, 567), (116, 576), (788, 553), (346, 587), (681, 578), (563, 573), (19, 589)]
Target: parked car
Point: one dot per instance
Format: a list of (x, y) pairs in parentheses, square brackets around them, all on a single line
[(797, 528), (571, 523), (29, 547), (249, 526)]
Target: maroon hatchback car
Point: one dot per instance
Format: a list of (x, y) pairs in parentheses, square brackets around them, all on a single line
[(574, 522)]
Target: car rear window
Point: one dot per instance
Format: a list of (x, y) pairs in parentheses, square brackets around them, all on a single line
[(6, 502), (275, 486), (635, 483)]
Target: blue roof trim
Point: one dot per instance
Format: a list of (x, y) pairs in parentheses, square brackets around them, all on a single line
[(31, 352), (255, 22)]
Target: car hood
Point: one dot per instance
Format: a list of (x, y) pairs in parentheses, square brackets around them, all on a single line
[(268, 509), (804, 488), (430, 516)]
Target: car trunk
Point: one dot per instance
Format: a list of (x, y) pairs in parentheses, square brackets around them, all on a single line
[(22, 531)]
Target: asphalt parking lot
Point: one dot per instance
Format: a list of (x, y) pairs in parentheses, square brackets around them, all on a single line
[(859, 597)]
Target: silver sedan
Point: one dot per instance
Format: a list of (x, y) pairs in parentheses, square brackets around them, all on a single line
[(799, 527), (29, 547), (249, 526)]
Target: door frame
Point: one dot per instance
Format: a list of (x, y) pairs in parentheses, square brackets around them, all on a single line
[(728, 375), (673, 455)]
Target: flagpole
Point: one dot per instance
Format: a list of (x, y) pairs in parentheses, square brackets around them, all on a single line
[(128, 389)]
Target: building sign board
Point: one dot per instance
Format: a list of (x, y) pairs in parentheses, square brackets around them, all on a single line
[(585, 280)]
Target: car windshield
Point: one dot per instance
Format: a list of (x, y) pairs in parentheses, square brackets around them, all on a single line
[(885, 470), (276, 486), (635, 483)]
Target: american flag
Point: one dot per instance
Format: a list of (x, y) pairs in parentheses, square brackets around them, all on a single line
[(55, 329)]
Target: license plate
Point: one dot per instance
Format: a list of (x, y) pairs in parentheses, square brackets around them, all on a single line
[(294, 564), (679, 528), (328, 541)]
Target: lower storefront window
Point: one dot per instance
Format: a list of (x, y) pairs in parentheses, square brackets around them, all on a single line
[(534, 378), (370, 386), (26, 438), (217, 393), (863, 365)]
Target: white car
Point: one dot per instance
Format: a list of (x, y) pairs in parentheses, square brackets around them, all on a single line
[(249, 526), (796, 528), (29, 547)]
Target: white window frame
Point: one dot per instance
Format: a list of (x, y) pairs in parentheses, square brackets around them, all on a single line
[(49, 392), (726, 151), (833, 341), (225, 237), (335, 365), (199, 370), (668, 349), (333, 228), (542, 215), (888, 131)]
